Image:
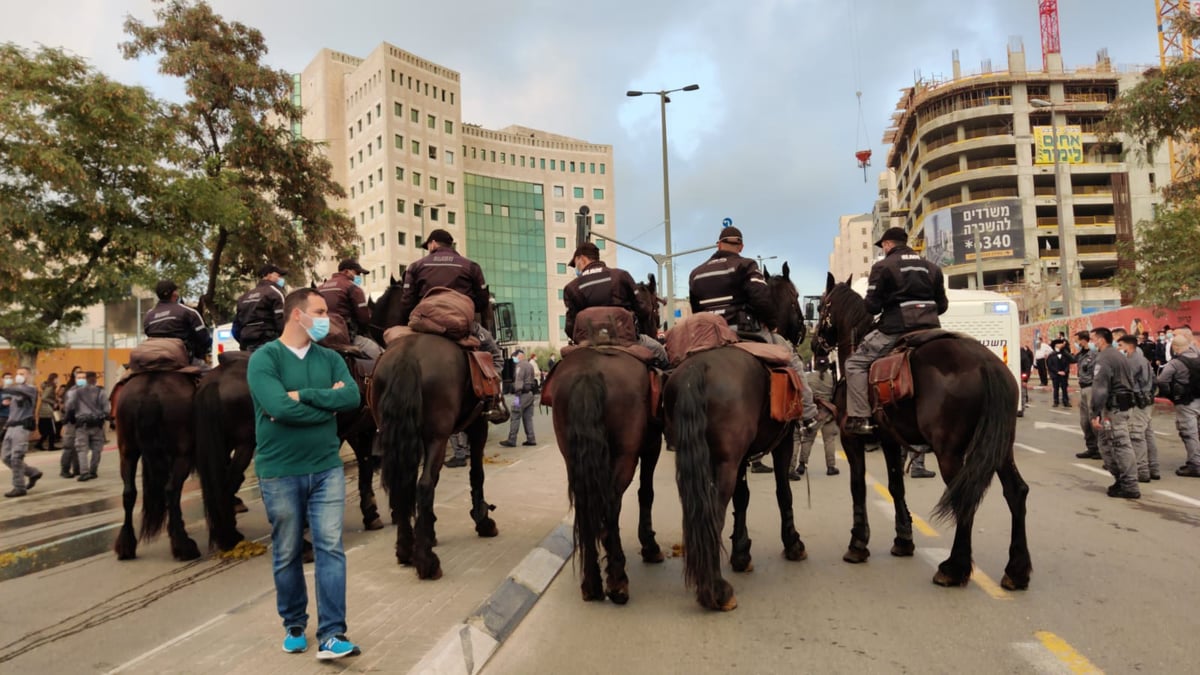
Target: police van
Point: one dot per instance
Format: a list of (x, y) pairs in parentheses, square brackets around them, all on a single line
[(989, 317), (223, 342)]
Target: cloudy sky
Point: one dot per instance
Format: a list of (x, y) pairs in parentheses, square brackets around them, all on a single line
[(768, 140)]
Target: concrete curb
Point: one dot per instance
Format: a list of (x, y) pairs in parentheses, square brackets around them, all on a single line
[(468, 646)]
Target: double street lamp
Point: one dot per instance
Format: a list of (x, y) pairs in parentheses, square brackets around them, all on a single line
[(421, 207), (1066, 263), (670, 265)]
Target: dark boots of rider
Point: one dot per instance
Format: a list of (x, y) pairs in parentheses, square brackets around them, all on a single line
[(862, 426), (495, 409)]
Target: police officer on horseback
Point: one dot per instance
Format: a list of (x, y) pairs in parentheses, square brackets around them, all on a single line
[(344, 296), (908, 293), (259, 316), (445, 267), (170, 319), (598, 285)]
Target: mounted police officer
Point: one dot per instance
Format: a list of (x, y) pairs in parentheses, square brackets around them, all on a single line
[(445, 267), (259, 316), (344, 296), (909, 294), (731, 286), (598, 285), (170, 319), (1112, 399)]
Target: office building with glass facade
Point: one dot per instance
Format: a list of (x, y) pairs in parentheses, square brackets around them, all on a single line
[(391, 124)]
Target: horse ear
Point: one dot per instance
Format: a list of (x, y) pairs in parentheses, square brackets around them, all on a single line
[(786, 272), (766, 274), (652, 284), (849, 278), (829, 282), (312, 285), (391, 280)]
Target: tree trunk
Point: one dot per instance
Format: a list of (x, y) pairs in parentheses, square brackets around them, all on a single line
[(27, 359), (214, 266)]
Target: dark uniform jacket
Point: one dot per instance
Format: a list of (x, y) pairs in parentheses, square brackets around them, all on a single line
[(259, 316), (1112, 382), (1175, 378), (442, 268), (1143, 378), (731, 286), (599, 286), (346, 299), (173, 320), (908, 290), (1086, 365), (1059, 360)]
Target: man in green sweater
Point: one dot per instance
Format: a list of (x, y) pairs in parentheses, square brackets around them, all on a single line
[(298, 387)]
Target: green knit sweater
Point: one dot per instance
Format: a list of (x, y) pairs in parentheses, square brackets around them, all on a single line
[(298, 437)]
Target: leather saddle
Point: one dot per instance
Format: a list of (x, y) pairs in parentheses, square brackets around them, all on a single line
[(891, 379)]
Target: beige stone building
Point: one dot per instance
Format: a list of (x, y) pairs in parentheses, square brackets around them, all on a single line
[(392, 126), (853, 253)]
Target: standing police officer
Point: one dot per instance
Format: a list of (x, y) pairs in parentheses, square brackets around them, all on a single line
[(1112, 398), (87, 408), (909, 292), (598, 285), (344, 296), (1177, 379), (1141, 436), (260, 310), (1085, 361), (170, 319), (22, 396)]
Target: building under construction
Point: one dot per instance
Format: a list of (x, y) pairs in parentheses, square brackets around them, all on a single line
[(974, 159)]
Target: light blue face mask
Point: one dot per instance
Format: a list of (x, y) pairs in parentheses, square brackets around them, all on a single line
[(358, 280), (81, 382), (319, 329), (279, 282)]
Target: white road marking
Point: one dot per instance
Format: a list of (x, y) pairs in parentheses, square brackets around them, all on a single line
[(1071, 429), (1093, 469), (1174, 495), (1062, 412), (1029, 448), (171, 643), (1040, 658)]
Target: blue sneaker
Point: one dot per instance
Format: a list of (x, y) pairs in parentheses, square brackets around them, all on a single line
[(336, 647), (295, 642)]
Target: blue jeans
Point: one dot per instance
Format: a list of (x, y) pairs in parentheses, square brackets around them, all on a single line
[(321, 499)]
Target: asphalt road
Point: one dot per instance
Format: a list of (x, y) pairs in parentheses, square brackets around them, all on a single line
[(1114, 586)]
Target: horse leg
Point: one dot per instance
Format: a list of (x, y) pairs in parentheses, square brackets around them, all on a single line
[(1016, 573), (793, 546), (183, 547), (237, 474), (740, 559), (894, 455), (424, 559), (617, 581), (126, 544), (860, 533), (361, 443), (651, 449), (484, 525), (956, 570)]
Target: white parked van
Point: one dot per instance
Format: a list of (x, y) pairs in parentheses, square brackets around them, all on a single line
[(223, 341)]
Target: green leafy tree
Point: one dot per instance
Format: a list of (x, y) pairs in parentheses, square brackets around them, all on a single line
[(88, 206), (266, 191), (1165, 106)]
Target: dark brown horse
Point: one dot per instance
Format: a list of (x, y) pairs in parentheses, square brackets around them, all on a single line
[(154, 424), (717, 406), (604, 426), (224, 405), (971, 444), (421, 394)]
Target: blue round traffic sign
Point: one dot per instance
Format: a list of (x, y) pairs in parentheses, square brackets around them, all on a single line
[(727, 222)]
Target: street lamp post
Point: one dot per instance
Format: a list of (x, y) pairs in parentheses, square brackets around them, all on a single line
[(670, 265), (421, 205), (1066, 264)]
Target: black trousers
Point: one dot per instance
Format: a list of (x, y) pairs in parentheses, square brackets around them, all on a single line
[(1041, 370), (1060, 385)]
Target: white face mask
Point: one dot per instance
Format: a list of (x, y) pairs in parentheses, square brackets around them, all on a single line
[(8, 381), (20, 379)]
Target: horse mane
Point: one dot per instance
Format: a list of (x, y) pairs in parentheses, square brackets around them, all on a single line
[(852, 306)]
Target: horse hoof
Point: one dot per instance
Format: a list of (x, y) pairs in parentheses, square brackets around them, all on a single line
[(744, 567), (856, 555), (376, 524), (487, 528), (796, 553), (946, 581), (434, 575), (188, 550), (126, 555), (654, 555), (240, 508), (903, 549), (730, 604), (591, 594), (619, 596), (1010, 585)]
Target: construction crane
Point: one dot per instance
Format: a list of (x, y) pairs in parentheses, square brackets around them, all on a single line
[(1173, 47), (1048, 18)]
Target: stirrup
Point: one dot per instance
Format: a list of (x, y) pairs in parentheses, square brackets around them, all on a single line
[(497, 412)]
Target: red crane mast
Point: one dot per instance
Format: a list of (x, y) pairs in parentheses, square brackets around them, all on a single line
[(1048, 17)]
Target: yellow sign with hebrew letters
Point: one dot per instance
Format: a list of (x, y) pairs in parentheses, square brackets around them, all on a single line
[(1070, 144)]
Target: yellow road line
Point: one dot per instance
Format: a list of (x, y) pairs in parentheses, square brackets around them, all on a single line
[(1073, 660), (922, 526), (990, 587)]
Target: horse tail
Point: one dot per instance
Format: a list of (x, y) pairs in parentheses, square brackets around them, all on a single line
[(212, 464), (150, 434), (399, 440), (694, 477), (590, 483), (989, 448)]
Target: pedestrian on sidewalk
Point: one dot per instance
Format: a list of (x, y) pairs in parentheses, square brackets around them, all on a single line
[(1085, 360), (1059, 365), (298, 388), (1043, 352), (523, 386), (87, 408), (1177, 380), (22, 397)]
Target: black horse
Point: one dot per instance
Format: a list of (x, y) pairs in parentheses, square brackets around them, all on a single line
[(604, 426), (717, 407), (154, 424), (965, 410), (421, 394), (224, 406)]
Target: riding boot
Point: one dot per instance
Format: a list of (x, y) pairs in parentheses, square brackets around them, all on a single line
[(918, 470), (496, 410), (488, 344)]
